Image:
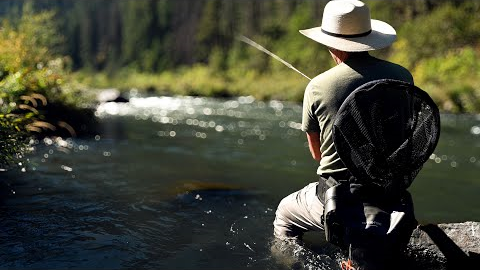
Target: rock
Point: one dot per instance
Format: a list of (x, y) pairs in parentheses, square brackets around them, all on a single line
[(111, 95), (449, 246), (465, 235)]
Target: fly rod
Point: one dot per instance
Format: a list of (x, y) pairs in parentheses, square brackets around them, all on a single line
[(261, 48)]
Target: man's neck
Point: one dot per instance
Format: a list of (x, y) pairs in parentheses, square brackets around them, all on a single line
[(341, 56)]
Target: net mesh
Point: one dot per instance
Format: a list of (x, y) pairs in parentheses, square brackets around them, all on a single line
[(385, 131)]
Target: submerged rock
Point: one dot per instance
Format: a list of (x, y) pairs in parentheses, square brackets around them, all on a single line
[(111, 95)]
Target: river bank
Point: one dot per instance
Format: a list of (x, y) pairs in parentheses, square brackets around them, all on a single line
[(202, 80), (281, 84)]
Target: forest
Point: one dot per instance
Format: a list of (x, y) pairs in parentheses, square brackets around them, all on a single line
[(191, 47)]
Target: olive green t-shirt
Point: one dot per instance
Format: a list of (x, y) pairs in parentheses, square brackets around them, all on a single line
[(326, 92)]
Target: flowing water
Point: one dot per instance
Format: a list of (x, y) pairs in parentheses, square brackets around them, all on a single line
[(193, 183)]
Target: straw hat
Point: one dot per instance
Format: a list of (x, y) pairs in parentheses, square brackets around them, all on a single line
[(346, 26)]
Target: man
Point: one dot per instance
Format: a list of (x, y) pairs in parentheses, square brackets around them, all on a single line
[(349, 33)]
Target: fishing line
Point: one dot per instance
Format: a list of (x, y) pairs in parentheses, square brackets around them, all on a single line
[(261, 48)]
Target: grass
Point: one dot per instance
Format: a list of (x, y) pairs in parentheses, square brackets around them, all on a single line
[(201, 80)]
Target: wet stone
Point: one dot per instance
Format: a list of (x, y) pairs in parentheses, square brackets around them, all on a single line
[(446, 246)]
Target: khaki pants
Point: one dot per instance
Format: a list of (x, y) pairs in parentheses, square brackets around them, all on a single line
[(299, 212)]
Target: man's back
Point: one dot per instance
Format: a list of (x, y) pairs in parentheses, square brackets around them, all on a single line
[(326, 93)]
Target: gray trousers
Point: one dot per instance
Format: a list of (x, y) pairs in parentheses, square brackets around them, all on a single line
[(299, 212)]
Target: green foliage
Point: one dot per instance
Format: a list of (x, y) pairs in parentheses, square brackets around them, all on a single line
[(26, 72), (434, 34), (440, 48), (31, 80), (453, 80), (135, 32), (12, 143), (208, 33), (26, 61), (305, 54)]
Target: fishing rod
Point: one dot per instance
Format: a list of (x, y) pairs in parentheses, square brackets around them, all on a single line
[(261, 48)]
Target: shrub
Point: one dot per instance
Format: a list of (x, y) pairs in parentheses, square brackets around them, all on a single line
[(31, 80)]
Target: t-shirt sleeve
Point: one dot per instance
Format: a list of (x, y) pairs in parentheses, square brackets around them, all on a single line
[(309, 118)]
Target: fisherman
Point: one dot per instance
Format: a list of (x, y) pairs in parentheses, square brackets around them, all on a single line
[(349, 33)]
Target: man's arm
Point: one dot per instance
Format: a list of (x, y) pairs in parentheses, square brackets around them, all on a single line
[(314, 145)]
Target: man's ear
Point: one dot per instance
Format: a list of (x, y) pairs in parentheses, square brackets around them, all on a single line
[(338, 56)]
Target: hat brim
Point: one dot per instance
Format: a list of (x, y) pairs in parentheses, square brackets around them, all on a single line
[(382, 35)]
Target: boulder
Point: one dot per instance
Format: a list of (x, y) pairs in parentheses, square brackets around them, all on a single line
[(446, 246), (111, 95)]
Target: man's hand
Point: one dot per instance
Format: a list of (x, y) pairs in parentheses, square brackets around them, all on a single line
[(314, 145)]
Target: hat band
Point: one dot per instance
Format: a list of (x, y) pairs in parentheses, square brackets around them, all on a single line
[(346, 36)]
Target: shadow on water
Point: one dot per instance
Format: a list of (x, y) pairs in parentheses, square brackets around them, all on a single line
[(60, 230)]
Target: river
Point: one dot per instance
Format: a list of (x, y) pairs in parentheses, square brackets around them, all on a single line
[(193, 183)]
